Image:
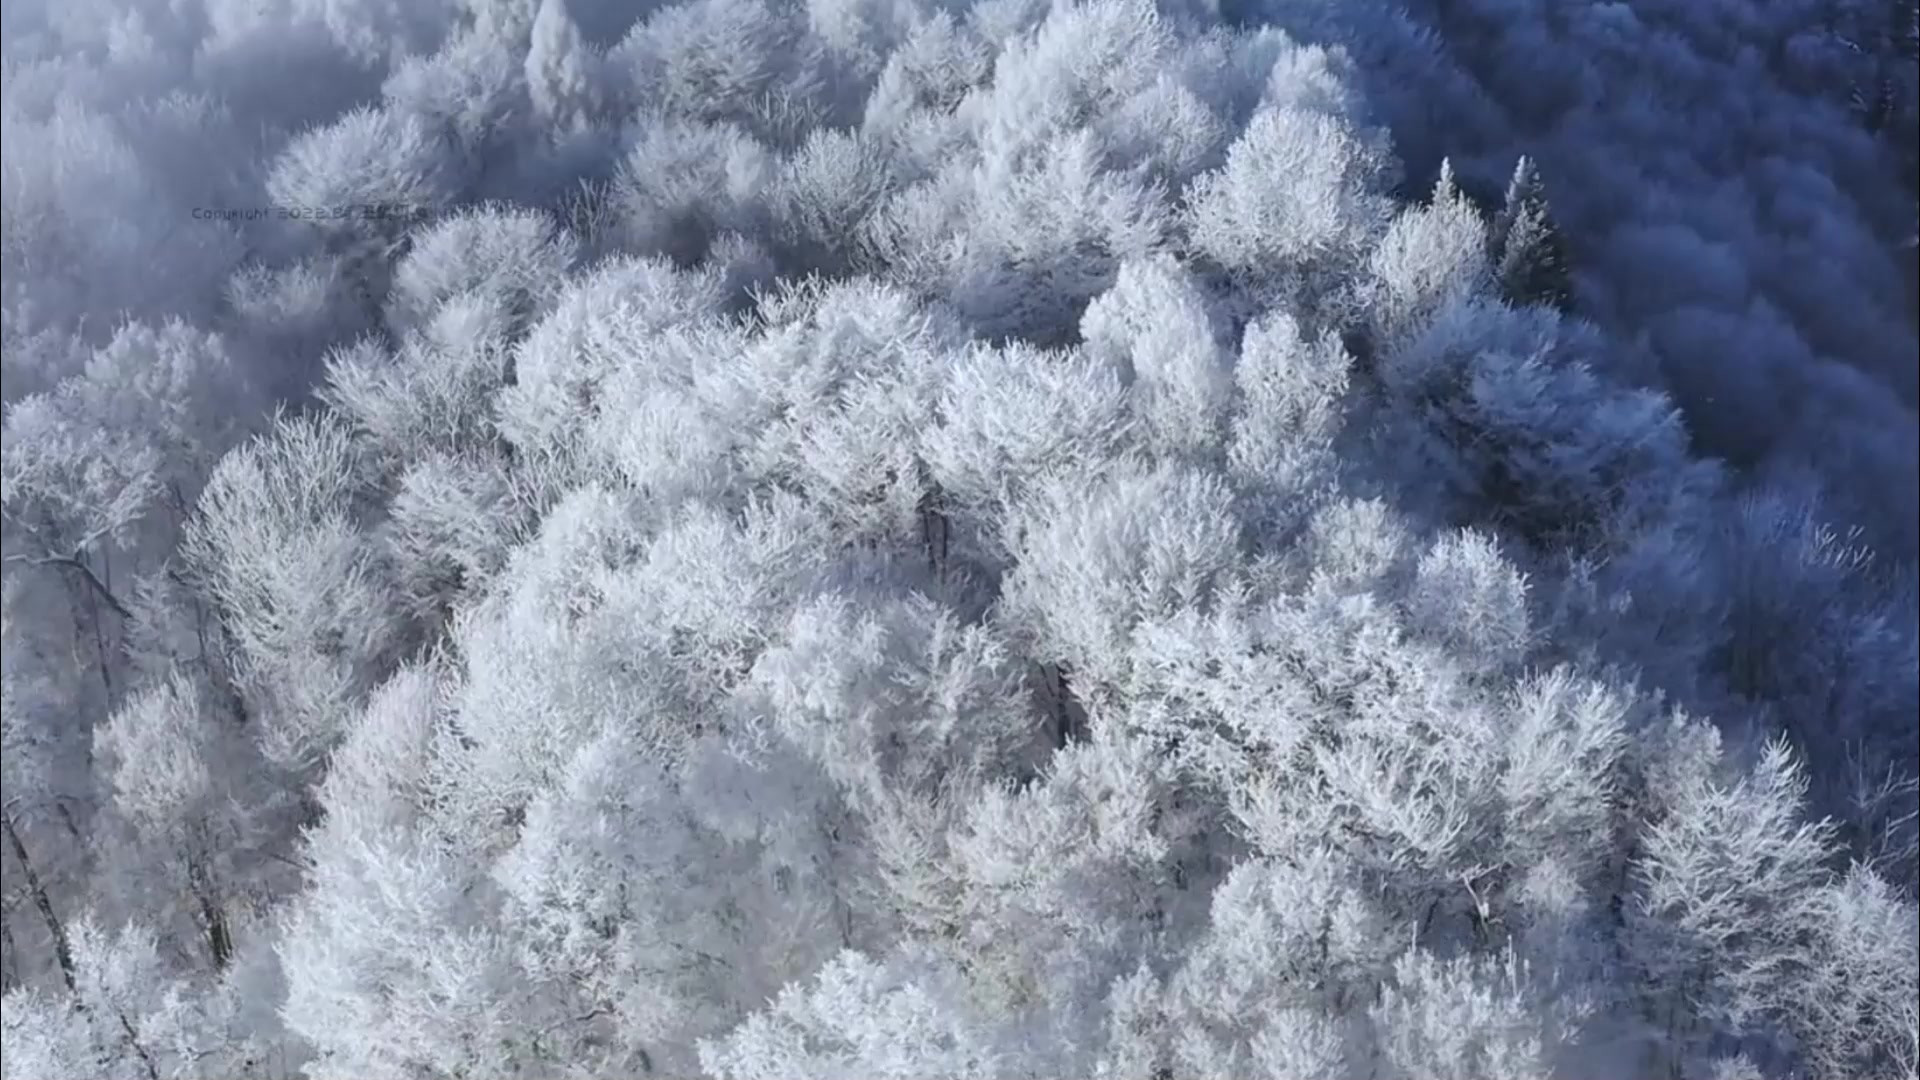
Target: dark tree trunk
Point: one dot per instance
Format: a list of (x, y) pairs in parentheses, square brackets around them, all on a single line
[(62, 948)]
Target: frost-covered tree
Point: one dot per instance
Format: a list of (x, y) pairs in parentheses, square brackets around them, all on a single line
[(1096, 554), (302, 592), (170, 767), (745, 62), (360, 182), (1528, 252), (912, 106), (436, 394), (454, 519), (879, 698), (1460, 1019), (823, 195), (109, 462), (1431, 256), (1821, 636), (1291, 952), (1155, 327), (1726, 892), (515, 258), (391, 965), (563, 78), (1294, 206), (1011, 416), (898, 1019), (1856, 1010), (1287, 422), (989, 538), (132, 1015), (1488, 392), (685, 182), (95, 230), (473, 91), (565, 358)]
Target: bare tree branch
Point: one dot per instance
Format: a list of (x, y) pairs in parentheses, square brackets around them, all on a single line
[(75, 563)]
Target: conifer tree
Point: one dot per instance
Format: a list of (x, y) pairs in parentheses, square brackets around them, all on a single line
[(1528, 250)]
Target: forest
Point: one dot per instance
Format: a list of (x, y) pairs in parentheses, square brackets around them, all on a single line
[(960, 540)]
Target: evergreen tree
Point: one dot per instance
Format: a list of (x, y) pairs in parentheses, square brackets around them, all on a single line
[(1528, 250)]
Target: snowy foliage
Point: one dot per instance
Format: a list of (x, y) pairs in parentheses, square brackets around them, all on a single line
[(1137, 539)]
